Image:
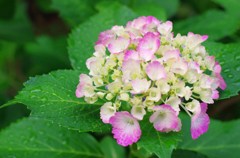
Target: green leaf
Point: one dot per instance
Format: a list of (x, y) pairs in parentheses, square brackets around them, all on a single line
[(111, 149), (221, 140), (82, 39), (19, 28), (229, 57), (7, 51), (48, 50), (187, 154), (74, 11), (7, 9), (45, 6), (216, 24), (170, 6), (52, 97), (136, 152), (161, 144), (231, 6), (37, 138), (151, 9)]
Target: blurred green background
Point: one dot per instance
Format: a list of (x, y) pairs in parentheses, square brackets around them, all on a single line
[(33, 38)]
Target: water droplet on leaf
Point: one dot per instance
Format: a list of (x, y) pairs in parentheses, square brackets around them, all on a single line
[(230, 75), (238, 68), (238, 57), (226, 70)]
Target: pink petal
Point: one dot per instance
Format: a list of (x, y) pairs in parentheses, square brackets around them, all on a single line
[(126, 129), (118, 45), (217, 68), (138, 23), (195, 39), (165, 119), (200, 122), (204, 37), (151, 25), (197, 36), (130, 67), (171, 54), (195, 66), (140, 86), (207, 81), (179, 67), (155, 71), (105, 37), (148, 45), (131, 54), (79, 91), (83, 81), (165, 28), (152, 20), (143, 21), (215, 94), (107, 111), (222, 83), (210, 62), (90, 61)]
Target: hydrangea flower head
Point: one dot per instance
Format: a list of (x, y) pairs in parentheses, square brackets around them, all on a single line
[(143, 68)]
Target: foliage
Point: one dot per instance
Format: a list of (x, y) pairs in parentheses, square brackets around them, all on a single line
[(40, 138), (161, 144), (230, 67), (213, 21), (78, 40), (219, 142), (52, 98), (58, 121)]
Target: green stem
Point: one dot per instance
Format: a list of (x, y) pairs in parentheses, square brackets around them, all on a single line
[(185, 110)]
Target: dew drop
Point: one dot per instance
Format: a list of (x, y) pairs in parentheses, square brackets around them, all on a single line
[(35, 90), (238, 68), (32, 96), (61, 135), (25, 142), (237, 57), (32, 138), (42, 113), (44, 99), (226, 70), (230, 76), (48, 124)]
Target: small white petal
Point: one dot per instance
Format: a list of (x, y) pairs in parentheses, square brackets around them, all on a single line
[(155, 71), (107, 111), (140, 86), (174, 102), (179, 67), (138, 112), (193, 106)]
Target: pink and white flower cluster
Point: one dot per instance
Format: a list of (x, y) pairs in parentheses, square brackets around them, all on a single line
[(143, 68)]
